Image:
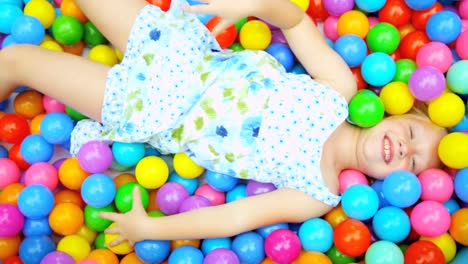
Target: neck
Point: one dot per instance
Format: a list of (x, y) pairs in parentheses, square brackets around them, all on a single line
[(341, 147)]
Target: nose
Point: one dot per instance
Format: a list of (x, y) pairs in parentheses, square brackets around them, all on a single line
[(405, 149)]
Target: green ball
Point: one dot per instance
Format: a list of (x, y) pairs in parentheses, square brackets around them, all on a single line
[(337, 257), (119, 167), (100, 241), (404, 69), (383, 37), (92, 36), (94, 221), (156, 213), (236, 46), (73, 114), (240, 23), (67, 30), (124, 196), (366, 109)]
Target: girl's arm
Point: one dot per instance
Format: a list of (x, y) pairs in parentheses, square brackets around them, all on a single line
[(279, 206)]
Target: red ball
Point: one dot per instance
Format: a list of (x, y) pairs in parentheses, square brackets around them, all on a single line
[(163, 4), (13, 260), (13, 128), (360, 82), (420, 18), (411, 43), (395, 12), (352, 237), (15, 155), (424, 252), (317, 10), (227, 36)]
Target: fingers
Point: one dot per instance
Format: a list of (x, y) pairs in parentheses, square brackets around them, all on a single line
[(114, 217), (222, 25), (118, 240), (112, 230), (137, 203)]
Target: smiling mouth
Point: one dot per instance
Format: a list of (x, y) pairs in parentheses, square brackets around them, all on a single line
[(387, 151)]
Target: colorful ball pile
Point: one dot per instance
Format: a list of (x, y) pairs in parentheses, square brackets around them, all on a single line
[(400, 51)]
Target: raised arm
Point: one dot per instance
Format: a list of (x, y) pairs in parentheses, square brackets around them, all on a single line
[(284, 205)]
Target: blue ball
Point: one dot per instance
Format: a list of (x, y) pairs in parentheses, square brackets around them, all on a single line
[(452, 205), (18, 3), (8, 41), (4, 104), (378, 69), (298, 69), (360, 202), (461, 184), (370, 6), (248, 247), (378, 188), (8, 14), (35, 148), (444, 26), (204, 18), (221, 182), (402, 188), (266, 230), (56, 128), (283, 54), (28, 30), (98, 190), (352, 49), (190, 184), (35, 201), (209, 244), (128, 154), (3, 152), (392, 224), (462, 125), (34, 248), (37, 227), (461, 257), (186, 254), (152, 251), (150, 151), (316, 234), (420, 4), (239, 192)]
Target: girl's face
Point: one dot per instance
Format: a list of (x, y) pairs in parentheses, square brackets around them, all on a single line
[(404, 142)]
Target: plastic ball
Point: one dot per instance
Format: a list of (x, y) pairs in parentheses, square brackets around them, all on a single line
[(35, 148), (397, 98), (186, 254), (75, 246), (11, 220), (103, 54), (384, 252), (391, 224), (350, 177), (330, 28), (401, 188), (338, 7), (37, 227), (435, 54), (102, 255), (411, 43), (186, 167), (50, 104), (170, 197), (426, 83), (457, 77), (461, 45), (94, 221), (68, 196), (370, 6), (92, 36), (352, 237), (13, 128), (128, 154), (446, 110), (446, 243), (55, 257), (27, 30), (95, 156), (395, 12), (10, 193), (282, 246), (461, 184), (124, 197), (458, 228), (419, 4), (226, 37), (249, 247), (238, 192), (71, 175), (9, 172), (67, 30), (378, 69), (255, 35), (453, 152), (255, 187), (353, 22), (360, 202), (194, 202), (383, 37), (42, 10), (430, 218), (35, 248), (220, 182), (352, 49), (28, 103), (337, 257), (221, 255), (66, 219), (366, 109), (98, 190), (8, 15), (152, 251), (283, 54), (265, 231), (316, 234), (41, 173), (215, 197), (9, 248), (423, 251), (404, 69), (444, 26), (436, 185), (152, 172), (56, 128), (35, 201)]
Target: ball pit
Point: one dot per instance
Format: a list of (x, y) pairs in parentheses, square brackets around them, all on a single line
[(402, 51)]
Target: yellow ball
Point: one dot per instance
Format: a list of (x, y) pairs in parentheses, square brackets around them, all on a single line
[(119, 55), (453, 150), (103, 54), (51, 45), (446, 243), (185, 167), (255, 35), (303, 4), (42, 10), (397, 98), (87, 233), (121, 249), (151, 172), (353, 22), (75, 246), (447, 110)]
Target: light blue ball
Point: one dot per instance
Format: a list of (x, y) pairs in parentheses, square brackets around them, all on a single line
[(35, 201), (209, 244), (378, 188), (190, 184), (239, 192), (186, 254), (266, 230), (444, 26), (152, 251), (420, 4), (18, 3), (35, 148), (402, 188), (220, 182), (384, 252), (461, 184), (316, 234), (248, 247), (352, 49), (34, 248), (457, 77), (378, 69), (98, 190), (128, 154), (392, 224), (56, 127), (360, 202), (461, 257), (452, 205), (37, 227), (8, 14), (28, 30), (370, 6)]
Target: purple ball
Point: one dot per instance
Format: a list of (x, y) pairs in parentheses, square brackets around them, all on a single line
[(58, 163), (221, 256), (277, 36), (338, 7), (255, 187), (57, 257), (426, 83), (11, 220), (194, 202), (95, 156), (170, 197)]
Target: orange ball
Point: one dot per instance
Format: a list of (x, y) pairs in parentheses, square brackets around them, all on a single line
[(28, 104), (9, 246), (35, 125), (69, 196), (353, 22), (459, 226), (70, 8), (9, 194), (131, 258), (66, 218), (71, 175), (103, 256), (123, 178), (152, 205), (307, 257), (75, 49), (336, 216), (267, 261), (185, 242)]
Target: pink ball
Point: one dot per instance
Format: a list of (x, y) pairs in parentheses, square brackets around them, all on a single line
[(95, 156), (435, 54), (463, 9), (348, 178), (41, 173), (58, 2), (330, 28), (430, 219), (11, 220), (9, 172), (214, 196), (373, 21), (436, 185), (282, 246), (461, 45), (52, 105)]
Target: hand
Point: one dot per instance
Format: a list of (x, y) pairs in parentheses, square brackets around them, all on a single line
[(129, 225), (230, 11)]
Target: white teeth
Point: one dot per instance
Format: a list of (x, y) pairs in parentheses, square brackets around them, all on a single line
[(386, 150)]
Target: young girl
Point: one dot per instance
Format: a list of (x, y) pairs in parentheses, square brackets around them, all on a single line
[(237, 113)]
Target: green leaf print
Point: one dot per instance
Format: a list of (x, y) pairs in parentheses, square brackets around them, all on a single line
[(177, 133), (230, 157), (204, 76), (128, 112), (148, 57), (213, 151), (206, 106), (227, 93), (199, 123), (139, 105), (242, 107), (244, 174)]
